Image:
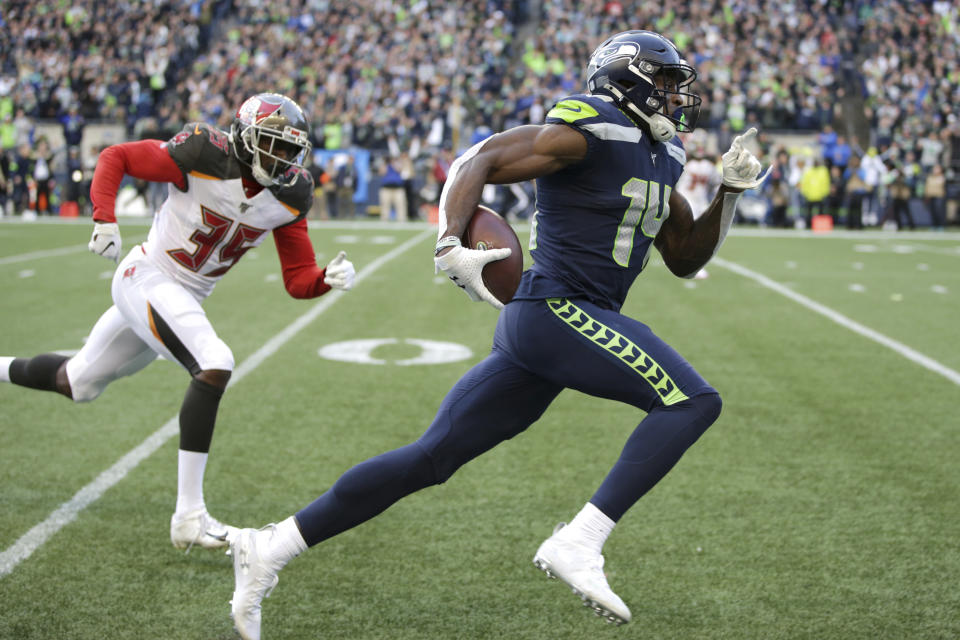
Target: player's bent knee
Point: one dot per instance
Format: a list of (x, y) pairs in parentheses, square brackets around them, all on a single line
[(423, 473), (215, 355), (444, 466), (82, 380), (86, 391), (444, 453), (217, 378), (422, 470), (709, 405)]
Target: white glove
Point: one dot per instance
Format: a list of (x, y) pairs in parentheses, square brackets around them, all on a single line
[(465, 267), (740, 167), (105, 240), (340, 273)]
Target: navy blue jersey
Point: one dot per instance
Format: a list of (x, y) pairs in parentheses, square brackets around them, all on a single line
[(596, 219)]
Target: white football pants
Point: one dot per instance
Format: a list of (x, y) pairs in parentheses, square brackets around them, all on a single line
[(151, 314)]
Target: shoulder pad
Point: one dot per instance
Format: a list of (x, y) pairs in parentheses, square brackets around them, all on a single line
[(675, 150), (571, 110), (205, 149), (299, 195), (601, 118)]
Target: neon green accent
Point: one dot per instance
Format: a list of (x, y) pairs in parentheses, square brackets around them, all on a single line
[(635, 189), (572, 110), (619, 346), (650, 225), (644, 199)]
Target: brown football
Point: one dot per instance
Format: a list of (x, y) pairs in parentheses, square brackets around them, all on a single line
[(488, 230)]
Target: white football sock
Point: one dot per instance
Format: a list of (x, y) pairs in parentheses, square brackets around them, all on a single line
[(287, 543), (590, 527), (5, 368), (190, 468)]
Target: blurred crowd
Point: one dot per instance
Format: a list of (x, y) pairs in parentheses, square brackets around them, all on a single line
[(396, 89), (833, 181)]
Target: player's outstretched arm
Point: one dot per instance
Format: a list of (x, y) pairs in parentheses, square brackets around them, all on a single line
[(302, 277), (687, 244), (519, 154), (146, 159)]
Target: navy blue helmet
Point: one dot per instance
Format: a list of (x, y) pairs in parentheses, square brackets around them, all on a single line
[(626, 66)]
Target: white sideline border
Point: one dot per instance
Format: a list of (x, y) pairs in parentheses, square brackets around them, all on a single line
[(63, 515), (60, 251)]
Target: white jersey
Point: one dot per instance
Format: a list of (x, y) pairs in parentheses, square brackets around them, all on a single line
[(202, 231), (694, 184), (197, 235)]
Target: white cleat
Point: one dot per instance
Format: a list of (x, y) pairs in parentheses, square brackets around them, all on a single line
[(254, 579), (199, 528), (581, 569)]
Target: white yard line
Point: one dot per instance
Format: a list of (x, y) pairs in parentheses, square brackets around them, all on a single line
[(910, 354), (68, 511), (904, 237), (945, 251), (47, 253), (62, 251)]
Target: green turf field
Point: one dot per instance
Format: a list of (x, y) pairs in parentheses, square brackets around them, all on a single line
[(823, 504)]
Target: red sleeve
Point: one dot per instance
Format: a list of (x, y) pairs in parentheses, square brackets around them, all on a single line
[(301, 275), (145, 159)]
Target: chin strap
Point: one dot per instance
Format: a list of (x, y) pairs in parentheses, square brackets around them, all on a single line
[(661, 129), (256, 169), (259, 174)]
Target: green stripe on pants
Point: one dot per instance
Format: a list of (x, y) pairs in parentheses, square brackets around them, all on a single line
[(615, 343)]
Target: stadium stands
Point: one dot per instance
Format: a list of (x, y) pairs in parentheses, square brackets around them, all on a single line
[(818, 77)]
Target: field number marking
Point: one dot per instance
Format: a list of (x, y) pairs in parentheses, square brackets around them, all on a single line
[(361, 351)]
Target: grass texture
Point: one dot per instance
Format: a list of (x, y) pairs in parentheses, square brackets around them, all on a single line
[(823, 504)]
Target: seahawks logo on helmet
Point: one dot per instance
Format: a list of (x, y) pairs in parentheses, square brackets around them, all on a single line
[(609, 54), (626, 67)]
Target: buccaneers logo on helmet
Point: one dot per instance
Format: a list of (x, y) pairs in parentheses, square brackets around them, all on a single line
[(270, 135)]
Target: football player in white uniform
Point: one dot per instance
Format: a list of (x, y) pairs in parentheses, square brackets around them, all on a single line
[(225, 192)]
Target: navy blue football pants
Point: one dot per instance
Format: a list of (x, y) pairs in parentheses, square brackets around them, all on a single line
[(540, 347)]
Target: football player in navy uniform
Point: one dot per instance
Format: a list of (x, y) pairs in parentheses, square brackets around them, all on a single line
[(606, 164), (225, 192)]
